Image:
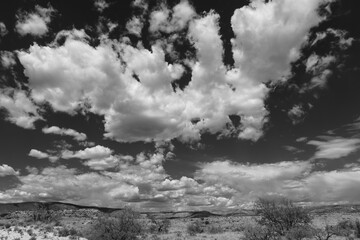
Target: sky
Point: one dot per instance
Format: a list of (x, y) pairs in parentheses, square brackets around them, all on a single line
[(179, 105)]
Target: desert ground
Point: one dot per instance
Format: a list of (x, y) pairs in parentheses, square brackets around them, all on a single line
[(75, 223)]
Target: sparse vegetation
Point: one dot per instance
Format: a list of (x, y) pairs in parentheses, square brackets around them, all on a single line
[(128, 225)]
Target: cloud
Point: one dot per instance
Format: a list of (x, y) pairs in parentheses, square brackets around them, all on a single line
[(295, 180), (96, 152), (101, 5), (42, 155), (6, 170), (135, 25), (20, 109), (166, 20), (319, 68), (334, 186), (296, 113), (135, 93), (67, 75), (65, 132), (268, 35), (38, 154), (335, 148), (141, 182), (252, 181), (103, 163), (3, 30), (341, 35), (7, 59), (135, 180), (64, 184), (34, 23)]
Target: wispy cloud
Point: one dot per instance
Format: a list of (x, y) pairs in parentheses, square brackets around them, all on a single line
[(335, 148)]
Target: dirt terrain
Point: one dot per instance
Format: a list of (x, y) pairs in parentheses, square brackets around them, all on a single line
[(16, 221)]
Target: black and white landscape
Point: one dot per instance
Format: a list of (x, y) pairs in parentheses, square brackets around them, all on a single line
[(179, 106)]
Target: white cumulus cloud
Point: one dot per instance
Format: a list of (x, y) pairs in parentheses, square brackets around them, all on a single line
[(268, 36), (34, 23)]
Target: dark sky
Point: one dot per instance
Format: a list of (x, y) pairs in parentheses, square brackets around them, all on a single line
[(179, 104)]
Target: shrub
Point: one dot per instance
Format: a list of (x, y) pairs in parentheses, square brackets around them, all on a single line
[(215, 229), (44, 214), (324, 234), (64, 232), (299, 233), (257, 232), (280, 215), (30, 232), (347, 228), (123, 226), (159, 225), (194, 228)]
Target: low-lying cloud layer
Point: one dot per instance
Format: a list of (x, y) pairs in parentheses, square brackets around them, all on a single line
[(141, 182)]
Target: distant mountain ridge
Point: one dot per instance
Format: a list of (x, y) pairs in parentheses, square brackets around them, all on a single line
[(31, 206)]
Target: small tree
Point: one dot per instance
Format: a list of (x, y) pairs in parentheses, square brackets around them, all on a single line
[(280, 215)]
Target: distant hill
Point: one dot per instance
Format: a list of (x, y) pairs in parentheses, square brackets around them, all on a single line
[(202, 214), (30, 206), (345, 208)]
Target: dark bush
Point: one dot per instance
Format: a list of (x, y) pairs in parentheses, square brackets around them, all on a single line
[(194, 228), (122, 226), (213, 229), (64, 232), (299, 233), (44, 214), (347, 227), (280, 215), (257, 232), (159, 225), (324, 234)]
